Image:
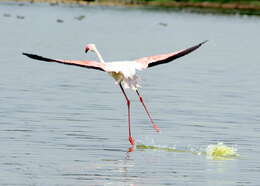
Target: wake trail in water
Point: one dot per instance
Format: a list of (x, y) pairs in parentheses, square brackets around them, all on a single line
[(218, 151)]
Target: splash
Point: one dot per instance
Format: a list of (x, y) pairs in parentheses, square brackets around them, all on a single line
[(221, 152)]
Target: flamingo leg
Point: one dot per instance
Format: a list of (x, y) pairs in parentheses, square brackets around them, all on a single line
[(131, 140), (146, 110)]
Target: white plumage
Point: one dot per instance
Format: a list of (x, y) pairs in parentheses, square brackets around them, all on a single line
[(125, 72)]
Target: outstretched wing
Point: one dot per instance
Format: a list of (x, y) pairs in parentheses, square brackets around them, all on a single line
[(85, 64), (166, 58)]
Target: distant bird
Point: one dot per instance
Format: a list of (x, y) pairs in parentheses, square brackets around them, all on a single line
[(124, 72)]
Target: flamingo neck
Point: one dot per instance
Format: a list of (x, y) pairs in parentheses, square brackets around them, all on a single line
[(99, 56)]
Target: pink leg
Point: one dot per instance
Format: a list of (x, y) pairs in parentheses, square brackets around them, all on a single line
[(154, 125), (131, 140)]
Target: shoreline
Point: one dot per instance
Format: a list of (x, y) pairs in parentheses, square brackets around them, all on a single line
[(242, 8)]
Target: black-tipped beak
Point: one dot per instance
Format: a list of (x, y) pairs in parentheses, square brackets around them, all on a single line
[(86, 50)]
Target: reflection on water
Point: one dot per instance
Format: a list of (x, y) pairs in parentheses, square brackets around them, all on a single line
[(61, 125)]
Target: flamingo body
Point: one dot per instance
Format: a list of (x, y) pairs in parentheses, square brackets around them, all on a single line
[(123, 72)]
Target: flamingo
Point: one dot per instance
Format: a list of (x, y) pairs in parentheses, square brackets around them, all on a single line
[(123, 72)]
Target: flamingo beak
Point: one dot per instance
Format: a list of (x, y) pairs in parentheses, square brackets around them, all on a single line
[(86, 49)]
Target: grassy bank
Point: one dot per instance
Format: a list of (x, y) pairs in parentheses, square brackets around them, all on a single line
[(225, 6), (250, 7)]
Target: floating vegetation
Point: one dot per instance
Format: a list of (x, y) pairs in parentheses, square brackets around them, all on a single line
[(163, 24), (7, 15), (20, 17), (59, 21), (81, 17)]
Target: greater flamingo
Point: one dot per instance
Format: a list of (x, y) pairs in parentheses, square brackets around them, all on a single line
[(124, 72)]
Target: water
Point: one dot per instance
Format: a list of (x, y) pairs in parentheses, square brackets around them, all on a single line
[(63, 125)]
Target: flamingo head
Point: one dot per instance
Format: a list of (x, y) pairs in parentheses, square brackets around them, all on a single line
[(90, 47)]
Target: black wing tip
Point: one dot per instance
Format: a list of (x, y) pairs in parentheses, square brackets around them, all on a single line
[(203, 42), (26, 54), (34, 56)]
